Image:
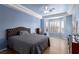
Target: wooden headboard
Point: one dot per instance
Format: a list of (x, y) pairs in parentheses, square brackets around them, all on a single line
[(15, 31)]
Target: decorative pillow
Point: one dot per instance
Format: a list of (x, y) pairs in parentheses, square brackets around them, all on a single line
[(24, 32)]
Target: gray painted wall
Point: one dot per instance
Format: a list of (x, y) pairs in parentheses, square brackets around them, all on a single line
[(10, 18)]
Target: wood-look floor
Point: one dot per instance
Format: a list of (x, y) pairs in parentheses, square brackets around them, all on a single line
[(57, 46)]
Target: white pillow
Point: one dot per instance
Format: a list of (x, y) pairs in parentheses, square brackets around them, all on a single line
[(24, 32)]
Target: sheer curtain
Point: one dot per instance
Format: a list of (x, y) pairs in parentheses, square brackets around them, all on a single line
[(55, 25)]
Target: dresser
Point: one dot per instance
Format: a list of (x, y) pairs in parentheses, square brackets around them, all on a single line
[(75, 48), (75, 45)]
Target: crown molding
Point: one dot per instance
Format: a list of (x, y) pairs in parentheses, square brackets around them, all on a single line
[(56, 15), (70, 11), (23, 9)]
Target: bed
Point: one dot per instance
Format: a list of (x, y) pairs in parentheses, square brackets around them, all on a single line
[(26, 43)]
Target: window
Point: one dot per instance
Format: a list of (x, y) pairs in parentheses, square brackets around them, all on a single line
[(55, 25), (46, 26), (62, 26)]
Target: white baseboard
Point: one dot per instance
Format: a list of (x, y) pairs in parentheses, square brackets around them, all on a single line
[(3, 49)]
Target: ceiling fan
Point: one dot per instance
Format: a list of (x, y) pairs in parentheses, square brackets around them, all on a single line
[(47, 9)]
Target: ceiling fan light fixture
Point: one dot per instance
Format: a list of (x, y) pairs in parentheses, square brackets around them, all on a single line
[(46, 11), (46, 7)]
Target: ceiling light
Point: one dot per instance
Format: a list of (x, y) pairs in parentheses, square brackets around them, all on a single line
[(46, 9)]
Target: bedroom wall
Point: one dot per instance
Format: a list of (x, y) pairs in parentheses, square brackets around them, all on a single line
[(10, 18), (68, 26), (42, 24)]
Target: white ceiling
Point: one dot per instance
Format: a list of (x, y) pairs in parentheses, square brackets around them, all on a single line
[(59, 8)]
